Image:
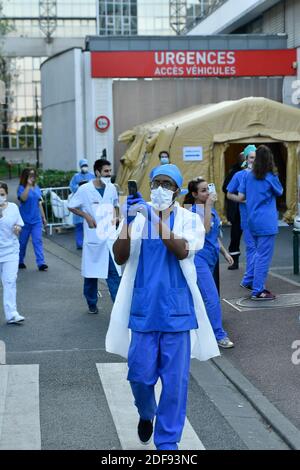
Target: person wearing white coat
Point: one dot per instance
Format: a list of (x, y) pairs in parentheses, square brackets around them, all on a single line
[(97, 203), (10, 227), (158, 320)]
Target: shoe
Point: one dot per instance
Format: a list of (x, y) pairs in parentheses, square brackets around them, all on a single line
[(264, 295), (43, 267), (22, 266), (225, 343), (246, 286), (93, 309), (16, 319), (145, 430)]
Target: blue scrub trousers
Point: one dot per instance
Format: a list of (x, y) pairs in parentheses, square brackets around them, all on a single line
[(166, 356), (35, 230), (250, 245), (90, 285), (210, 296), (79, 235), (262, 261)]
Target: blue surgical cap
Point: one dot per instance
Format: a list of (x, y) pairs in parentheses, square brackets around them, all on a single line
[(83, 162), (168, 170), (250, 148)]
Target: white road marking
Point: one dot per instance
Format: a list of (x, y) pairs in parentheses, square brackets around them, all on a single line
[(19, 407), (120, 401)]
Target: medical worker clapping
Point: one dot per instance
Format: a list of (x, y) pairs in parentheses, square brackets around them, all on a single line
[(10, 227), (32, 212), (260, 189), (206, 259)]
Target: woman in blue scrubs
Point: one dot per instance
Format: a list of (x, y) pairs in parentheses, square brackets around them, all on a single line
[(206, 259), (260, 189), (232, 194), (32, 213)]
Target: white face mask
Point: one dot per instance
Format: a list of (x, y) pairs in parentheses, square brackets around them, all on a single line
[(164, 160), (84, 169), (3, 200), (161, 198), (105, 179)]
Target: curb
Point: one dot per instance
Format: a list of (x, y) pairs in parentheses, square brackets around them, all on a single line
[(279, 423)]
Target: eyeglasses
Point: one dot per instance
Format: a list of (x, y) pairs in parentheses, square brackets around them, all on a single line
[(164, 184)]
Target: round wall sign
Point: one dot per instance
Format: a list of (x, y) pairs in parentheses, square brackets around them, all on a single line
[(102, 123)]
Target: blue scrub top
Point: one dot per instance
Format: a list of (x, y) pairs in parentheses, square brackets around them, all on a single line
[(234, 187), (30, 209), (211, 249), (74, 185), (80, 178), (261, 203), (161, 298)]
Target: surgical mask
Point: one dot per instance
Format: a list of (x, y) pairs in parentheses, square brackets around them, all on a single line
[(161, 198), (84, 169), (105, 179), (3, 200), (164, 160)]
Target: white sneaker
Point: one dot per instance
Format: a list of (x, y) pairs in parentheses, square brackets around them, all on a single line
[(16, 319)]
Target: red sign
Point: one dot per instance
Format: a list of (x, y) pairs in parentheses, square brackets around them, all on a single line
[(191, 64), (102, 123)]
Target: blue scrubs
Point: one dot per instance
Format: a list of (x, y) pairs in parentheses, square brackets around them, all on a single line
[(234, 187), (77, 220), (162, 313), (205, 262), (31, 215), (262, 222)]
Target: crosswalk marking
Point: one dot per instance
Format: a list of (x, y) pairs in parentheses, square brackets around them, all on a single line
[(19, 407), (120, 402)]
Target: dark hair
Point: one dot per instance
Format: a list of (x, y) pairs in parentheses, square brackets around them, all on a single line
[(163, 152), (99, 164), (192, 188), (4, 186), (263, 163), (25, 174)]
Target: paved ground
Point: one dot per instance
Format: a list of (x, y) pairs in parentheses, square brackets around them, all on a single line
[(67, 345)]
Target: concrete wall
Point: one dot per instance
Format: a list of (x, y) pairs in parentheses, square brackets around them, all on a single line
[(62, 112), (232, 15), (37, 47)]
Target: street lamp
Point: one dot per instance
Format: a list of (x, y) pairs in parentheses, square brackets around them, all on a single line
[(37, 150)]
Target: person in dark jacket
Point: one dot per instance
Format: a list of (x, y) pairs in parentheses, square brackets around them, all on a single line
[(233, 215)]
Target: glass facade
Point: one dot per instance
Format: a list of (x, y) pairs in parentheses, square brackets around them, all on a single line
[(76, 18), (117, 17), (142, 17), (22, 102)]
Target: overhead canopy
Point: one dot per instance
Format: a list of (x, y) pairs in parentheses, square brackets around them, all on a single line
[(212, 128)]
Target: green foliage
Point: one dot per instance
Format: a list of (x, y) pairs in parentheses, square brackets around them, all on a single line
[(11, 171), (54, 178)]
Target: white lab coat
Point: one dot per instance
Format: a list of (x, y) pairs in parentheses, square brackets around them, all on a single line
[(97, 243), (187, 225)]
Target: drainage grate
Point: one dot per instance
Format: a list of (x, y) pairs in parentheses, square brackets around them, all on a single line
[(282, 300)]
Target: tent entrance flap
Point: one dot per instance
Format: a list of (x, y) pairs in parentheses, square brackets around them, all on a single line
[(285, 162)]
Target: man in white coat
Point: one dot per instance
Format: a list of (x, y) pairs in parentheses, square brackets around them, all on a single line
[(97, 203), (160, 303)]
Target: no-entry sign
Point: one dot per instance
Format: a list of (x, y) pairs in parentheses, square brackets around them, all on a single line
[(102, 123)]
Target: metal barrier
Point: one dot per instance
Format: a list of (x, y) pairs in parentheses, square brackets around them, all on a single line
[(55, 202)]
